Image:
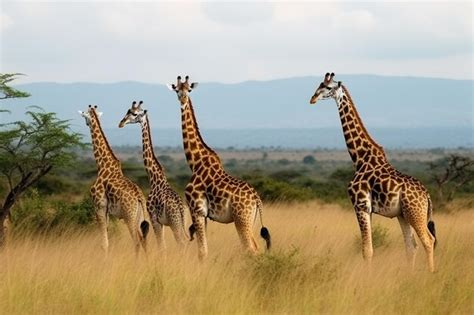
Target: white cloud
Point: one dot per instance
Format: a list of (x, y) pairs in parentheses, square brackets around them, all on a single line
[(149, 41), (354, 20), (5, 22), (239, 14)]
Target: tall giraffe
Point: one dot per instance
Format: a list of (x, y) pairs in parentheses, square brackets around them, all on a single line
[(163, 203), (377, 187), (211, 192), (113, 193)]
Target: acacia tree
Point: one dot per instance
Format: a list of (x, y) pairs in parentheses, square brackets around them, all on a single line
[(452, 173), (8, 91), (29, 150)]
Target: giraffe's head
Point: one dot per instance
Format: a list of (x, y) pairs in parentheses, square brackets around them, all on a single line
[(88, 114), (135, 115), (327, 89), (182, 89)]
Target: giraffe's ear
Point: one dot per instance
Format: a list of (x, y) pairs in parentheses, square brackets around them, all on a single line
[(99, 114), (171, 87), (80, 112), (194, 85), (339, 84)]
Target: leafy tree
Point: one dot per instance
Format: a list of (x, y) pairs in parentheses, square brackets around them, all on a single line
[(450, 174), (8, 91), (29, 150)]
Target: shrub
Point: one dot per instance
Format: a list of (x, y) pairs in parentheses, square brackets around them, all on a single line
[(279, 271), (283, 162), (37, 215), (309, 159), (274, 190), (343, 175)]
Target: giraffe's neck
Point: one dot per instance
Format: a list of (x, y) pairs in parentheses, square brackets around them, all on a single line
[(360, 145), (194, 146), (153, 167), (103, 154)]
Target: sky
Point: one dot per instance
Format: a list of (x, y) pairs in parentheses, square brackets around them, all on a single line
[(150, 41)]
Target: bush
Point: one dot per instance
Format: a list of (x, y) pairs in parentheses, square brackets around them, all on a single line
[(279, 271), (309, 159), (270, 189), (343, 175), (35, 214)]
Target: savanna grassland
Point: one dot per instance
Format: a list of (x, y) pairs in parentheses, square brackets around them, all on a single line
[(314, 266), (53, 262)]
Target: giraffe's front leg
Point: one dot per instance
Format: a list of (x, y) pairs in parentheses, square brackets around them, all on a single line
[(199, 222), (364, 217)]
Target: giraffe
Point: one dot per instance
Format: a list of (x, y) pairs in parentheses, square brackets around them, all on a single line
[(211, 192), (377, 187), (112, 193), (163, 203)]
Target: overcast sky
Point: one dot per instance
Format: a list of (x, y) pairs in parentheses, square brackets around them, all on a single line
[(106, 41)]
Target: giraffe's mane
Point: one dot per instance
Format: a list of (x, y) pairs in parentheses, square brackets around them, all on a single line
[(361, 123), (97, 121), (199, 132)]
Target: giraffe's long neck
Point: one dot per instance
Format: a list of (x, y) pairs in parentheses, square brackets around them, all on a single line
[(103, 154), (153, 167), (360, 145), (194, 146)]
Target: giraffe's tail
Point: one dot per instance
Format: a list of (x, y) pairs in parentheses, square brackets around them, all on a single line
[(431, 224), (144, 224), (144, 227), (264, 232)]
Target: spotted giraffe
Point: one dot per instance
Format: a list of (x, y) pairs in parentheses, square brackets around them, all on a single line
[(377, 187), (164, 204), (113, 193), (211, 192)]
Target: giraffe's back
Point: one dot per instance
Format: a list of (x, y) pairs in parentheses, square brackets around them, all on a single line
[(123, 196), (387, 189), (166, 205), (228, 196)]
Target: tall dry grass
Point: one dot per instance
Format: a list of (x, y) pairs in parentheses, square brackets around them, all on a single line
[(315, 267)]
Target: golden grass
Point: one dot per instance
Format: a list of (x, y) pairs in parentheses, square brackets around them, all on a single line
[(315, 267)]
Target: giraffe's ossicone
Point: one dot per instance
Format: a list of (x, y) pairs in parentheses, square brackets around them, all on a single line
[(377, 187), (112, 193), (163, 203), (212, 193)]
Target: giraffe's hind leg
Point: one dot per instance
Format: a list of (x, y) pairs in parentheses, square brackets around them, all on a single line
[(198, 206), (102, 221), (160, 235), (177, 226), (245, 231), (100, 204), (133, 229), (410, 241), (417, 216), (428, 243)]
